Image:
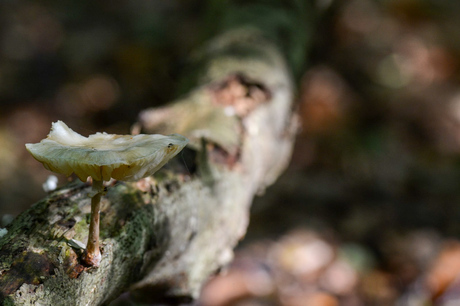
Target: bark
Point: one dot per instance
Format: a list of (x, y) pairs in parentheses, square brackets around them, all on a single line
[(162, 237)]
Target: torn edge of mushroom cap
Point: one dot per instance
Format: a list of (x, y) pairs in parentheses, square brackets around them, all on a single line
[(103, 156)]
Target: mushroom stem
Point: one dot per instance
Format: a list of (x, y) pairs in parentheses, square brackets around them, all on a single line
[(92, 254)]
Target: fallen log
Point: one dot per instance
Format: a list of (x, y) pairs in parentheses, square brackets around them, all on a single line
[(161, 237)]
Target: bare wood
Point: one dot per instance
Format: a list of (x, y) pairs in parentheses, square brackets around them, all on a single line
[(162, 237)]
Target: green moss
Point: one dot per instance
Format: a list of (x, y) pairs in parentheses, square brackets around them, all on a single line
[(137, 228), (114, 218), (7, 301), (81, 229)]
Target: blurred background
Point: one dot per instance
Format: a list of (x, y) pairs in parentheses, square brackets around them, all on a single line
[(366, 214)]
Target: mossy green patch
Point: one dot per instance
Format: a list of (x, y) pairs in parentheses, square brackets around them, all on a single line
[(81, 229)]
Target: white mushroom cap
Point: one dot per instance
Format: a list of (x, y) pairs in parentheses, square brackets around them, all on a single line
[(103, 156)]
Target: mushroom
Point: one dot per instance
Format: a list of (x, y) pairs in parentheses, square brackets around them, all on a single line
[(103, 156)]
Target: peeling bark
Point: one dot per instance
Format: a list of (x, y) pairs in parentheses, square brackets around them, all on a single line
[(162, 237)]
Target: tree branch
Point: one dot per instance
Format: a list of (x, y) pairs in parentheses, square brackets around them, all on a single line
[(162, 237)]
